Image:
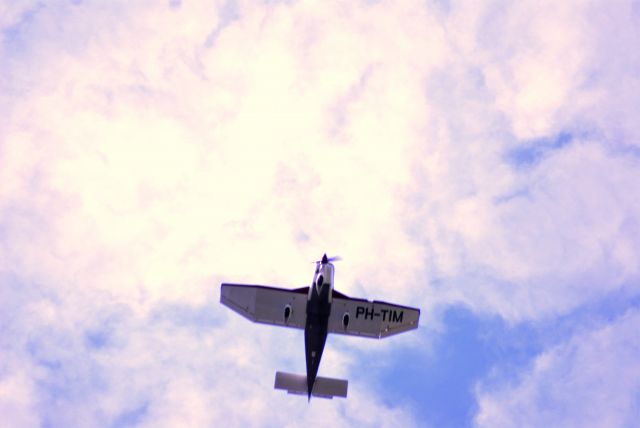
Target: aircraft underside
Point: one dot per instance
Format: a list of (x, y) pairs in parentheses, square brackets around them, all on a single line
[(319, 310)]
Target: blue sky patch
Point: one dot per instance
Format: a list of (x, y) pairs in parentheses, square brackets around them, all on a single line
[(132, 417), (533, 151), (439, 383)]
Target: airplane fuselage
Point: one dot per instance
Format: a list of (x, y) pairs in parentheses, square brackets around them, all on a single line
[(318, 311)]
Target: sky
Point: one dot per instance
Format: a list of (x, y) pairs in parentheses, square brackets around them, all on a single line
[(478, 160)]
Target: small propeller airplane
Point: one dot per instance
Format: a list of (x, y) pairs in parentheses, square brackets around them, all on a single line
[(319, 310)]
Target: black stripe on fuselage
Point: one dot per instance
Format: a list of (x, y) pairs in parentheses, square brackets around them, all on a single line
[(315, 332)]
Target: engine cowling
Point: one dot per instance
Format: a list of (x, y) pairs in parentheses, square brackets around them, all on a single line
[(287, 313)]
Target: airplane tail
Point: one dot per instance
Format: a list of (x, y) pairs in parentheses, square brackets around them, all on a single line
[(323, 387)]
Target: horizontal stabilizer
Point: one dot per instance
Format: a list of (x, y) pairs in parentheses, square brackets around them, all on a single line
[(324, 387)]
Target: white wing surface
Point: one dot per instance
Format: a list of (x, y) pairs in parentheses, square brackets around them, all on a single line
[(268, 305), (359, 317)]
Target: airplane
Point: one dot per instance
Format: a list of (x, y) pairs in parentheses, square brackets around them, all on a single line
[(319, 310)]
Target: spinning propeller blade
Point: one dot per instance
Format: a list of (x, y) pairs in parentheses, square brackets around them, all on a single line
[(326, 259)]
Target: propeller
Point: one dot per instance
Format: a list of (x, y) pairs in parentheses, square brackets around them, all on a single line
[(326, 259)]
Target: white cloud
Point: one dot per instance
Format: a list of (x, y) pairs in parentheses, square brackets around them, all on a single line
[(17, 400), (523, 239), (150, 151), (566, 240), (591, 380), (535, 60)]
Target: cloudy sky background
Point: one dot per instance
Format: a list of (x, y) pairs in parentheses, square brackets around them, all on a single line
[(479, 160)]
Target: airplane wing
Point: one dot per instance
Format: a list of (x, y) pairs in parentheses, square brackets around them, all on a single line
[(268, 305), (359, 317)]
